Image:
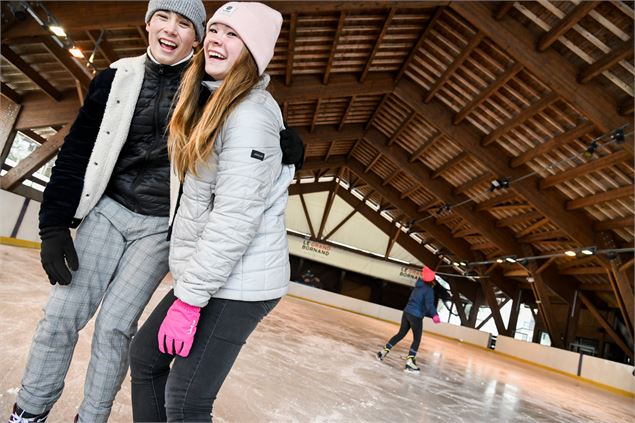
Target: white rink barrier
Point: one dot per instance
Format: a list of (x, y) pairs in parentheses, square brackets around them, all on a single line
[(610, 373), (461, 333)]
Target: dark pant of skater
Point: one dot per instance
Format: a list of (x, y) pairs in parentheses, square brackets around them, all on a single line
[(186, 391)]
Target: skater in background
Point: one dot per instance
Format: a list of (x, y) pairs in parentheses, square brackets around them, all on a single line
[(421, 303), (228, 254)]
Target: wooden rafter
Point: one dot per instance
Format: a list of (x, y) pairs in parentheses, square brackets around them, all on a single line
[(9, 93), (33, 161), (346, 113), (377, 109), (454, 65), (533, 227), (626, 107), (356, 209), (104, 46), (449, 165), (555, 142), (550, 203), (601, 197), (492, 302), (309, 87), (606, 62), (424, 34), (591, 166), (402, 128), (372, 162), (80, 73), (330, 150), (494, 201), (519, 118), (329, 204), (541, 236), (443, 191), (291, 48), (568, 22), (392, 176), (13, 58), (380, 38), (143, 34), (410, 191), (487, 92), (514, 220), (306, 214), (625, 222), (503, 9), (550, 67), (485, 177), (605, 325), (424, 147), (316, 114), (336, 38), (392, 240)]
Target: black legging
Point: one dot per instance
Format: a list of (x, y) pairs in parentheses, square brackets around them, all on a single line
[(408, 321)]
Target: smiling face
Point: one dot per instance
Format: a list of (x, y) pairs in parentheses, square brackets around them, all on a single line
[(222, 48), (171, 37)]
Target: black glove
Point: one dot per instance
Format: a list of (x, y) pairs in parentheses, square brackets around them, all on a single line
[(292, 147), (58, 250)]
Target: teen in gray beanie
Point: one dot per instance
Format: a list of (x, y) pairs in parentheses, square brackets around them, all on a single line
[(191, 9)]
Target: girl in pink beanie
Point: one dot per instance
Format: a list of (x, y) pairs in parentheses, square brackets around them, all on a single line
[(420, 304), (228, 250)]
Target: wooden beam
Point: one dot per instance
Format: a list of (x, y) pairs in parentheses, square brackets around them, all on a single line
[(336, 38), (626, 222), (557, 141), (310, 87), (424, 34), (542, 236), (391, 241), (604, 63), (356, 209), (380, 38), (503, 9), (402, 128), (104, 46), (372, 162), (329, 204), (441, 234), (550, 203), (291, 48), (329, 133), (493, 305), (297, 189), (626, 107), (519, 118), (450, 164), (442, 190), (605, 325), (143, 34), (460, 310), (377, 109), (9, 93), (316, 114), (550, 67), (489, 316), (33, 161), (623, 192), (491, 89), (595, 165), (80, 73), (533, 227), (346, 113), (38, 110), (580, 271), (424, 147), (514, 220), (391, 176), (312, 164), (472, 183), (306, 214), (410, 191), (568, 22), (494, 201), (13, 58), (454, 65)]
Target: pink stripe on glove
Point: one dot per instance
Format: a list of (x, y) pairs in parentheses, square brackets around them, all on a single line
[(176, 333)]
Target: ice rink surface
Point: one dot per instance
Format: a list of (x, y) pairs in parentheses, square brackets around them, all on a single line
[(312, 363)]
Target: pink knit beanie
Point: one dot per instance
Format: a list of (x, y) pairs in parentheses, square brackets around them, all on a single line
[(256, 24), (427, 274)]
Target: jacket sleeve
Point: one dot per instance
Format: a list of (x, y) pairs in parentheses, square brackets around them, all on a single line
[(62, 194), (249, 162), (429, 302)]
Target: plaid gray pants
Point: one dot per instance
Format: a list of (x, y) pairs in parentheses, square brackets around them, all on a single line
[(122, 258)]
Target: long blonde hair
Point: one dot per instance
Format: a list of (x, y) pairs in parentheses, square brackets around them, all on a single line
[(193, 131)]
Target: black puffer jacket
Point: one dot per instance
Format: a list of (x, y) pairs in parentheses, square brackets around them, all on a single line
[(141, 178)]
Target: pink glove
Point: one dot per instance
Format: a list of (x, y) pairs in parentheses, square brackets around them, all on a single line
[(176, 333), (436, 319)]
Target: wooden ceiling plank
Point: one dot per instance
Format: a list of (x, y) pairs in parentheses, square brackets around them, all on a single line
[(450, 164), (293, 22), (550, 203), (606, 62), (454, 65), (402, 128), (550, 67), (487, 92), (380, 38), (601, 197), (485, 177), (568, 22), (519, 118), (29, 165), (558, 140), (13, 58), (494, 201), (584, 169), (419, 43)]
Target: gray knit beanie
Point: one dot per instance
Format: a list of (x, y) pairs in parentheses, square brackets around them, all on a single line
[(191, 9)]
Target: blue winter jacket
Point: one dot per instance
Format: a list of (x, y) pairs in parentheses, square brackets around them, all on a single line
[(421, 301)]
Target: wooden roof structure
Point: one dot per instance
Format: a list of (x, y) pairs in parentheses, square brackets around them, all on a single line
[(413, 109)]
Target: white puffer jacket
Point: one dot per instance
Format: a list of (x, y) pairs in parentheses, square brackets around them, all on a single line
[(229, 238)]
